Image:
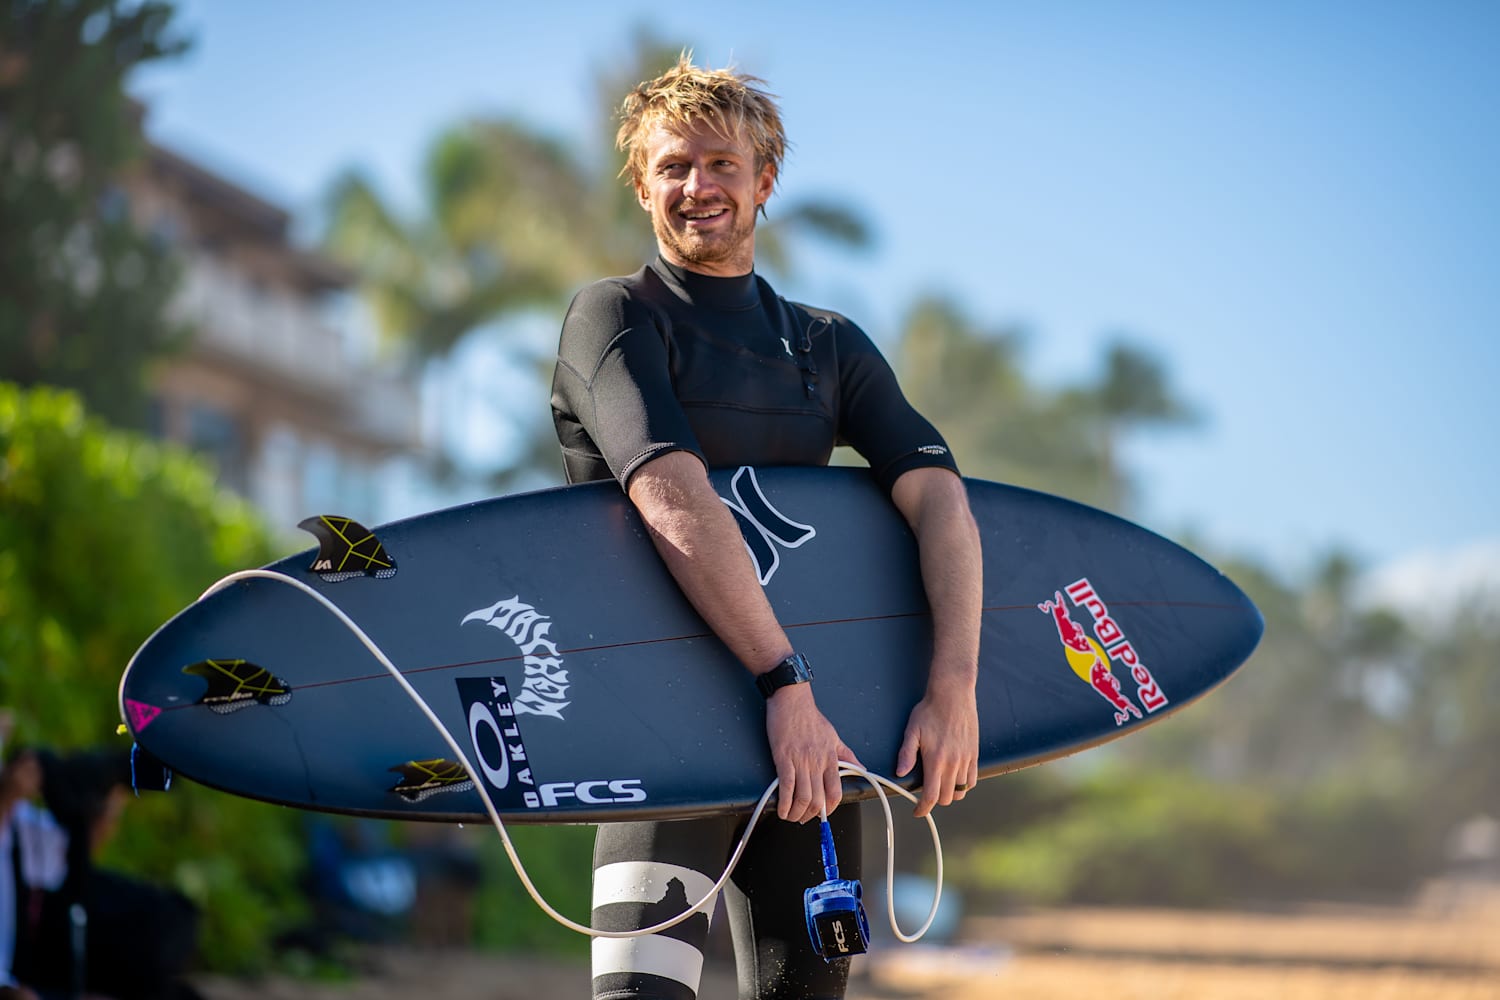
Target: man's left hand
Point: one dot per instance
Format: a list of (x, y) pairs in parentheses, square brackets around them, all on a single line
[(944, 728)]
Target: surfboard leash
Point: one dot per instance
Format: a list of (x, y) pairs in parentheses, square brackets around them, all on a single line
[(826, 904)]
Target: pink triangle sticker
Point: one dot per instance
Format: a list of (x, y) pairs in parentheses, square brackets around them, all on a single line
[(141, 714)]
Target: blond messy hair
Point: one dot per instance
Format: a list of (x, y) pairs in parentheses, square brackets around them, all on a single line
[(687, 96)]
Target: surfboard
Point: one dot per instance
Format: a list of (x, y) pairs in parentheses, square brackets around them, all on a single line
[(548, 637)]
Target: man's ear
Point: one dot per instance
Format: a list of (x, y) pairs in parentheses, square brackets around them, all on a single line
[(642, 196), (765, 184)]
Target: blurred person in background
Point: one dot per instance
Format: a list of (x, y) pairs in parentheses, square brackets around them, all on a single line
[(33, 857), (76, 930)]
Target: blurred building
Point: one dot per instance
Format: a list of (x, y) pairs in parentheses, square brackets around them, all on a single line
[(280, 384)]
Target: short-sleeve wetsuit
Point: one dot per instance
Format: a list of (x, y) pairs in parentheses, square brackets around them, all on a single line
[(671, 360)]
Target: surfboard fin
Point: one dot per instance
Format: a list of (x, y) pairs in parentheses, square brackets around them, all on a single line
[(237, 684), (422, 779), (347, 549)]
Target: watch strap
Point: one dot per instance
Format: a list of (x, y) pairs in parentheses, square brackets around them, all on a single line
[(793, 670)]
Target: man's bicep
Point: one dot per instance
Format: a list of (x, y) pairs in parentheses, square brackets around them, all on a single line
[(665, 483), (929, 490)]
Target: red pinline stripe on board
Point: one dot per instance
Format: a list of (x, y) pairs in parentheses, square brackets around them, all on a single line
[(1201, 605), (603, 646), (562, 652), (707, 635)]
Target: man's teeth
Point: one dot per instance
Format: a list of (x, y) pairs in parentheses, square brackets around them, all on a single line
[(713, 213)]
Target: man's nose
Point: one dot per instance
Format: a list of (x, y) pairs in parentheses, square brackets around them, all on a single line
[(699, 182)]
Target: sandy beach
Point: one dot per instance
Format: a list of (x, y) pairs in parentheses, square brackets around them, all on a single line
[(1444, 946)]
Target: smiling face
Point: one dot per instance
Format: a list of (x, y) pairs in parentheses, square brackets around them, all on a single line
[(702, 190)]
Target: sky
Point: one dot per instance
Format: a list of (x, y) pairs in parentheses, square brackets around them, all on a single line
[(1294, 206)]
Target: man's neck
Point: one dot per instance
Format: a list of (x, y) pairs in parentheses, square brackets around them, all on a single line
[(736, 267)]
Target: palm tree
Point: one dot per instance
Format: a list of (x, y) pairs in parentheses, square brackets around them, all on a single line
[(513, 220), (504, 229), (970, 382)]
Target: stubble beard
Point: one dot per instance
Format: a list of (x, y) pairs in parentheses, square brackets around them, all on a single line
[(718, 249)]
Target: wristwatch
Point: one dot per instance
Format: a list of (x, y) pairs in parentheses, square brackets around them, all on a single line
[(793, 670)]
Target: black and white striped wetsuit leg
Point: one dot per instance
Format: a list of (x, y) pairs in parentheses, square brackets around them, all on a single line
[(645, 873)]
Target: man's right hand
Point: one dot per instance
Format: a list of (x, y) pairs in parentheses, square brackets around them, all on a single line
[(807, 750)]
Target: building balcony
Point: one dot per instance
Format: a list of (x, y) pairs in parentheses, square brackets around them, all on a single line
[(281, 343)]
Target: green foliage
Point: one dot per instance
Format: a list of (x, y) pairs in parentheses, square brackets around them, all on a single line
[(1347, 840), (1451, 727), (1381, 703), (969, 381), (83, 294), (1135, 837), (103, 536), (558, 859), (1171, 837), (239, 860)]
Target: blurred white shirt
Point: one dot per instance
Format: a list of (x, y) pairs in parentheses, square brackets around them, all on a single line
[(30, 836)]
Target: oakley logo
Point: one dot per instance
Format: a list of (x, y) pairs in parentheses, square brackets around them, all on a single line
[(495, 737)]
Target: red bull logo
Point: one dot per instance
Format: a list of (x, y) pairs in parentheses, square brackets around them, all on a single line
[(1092, 657)]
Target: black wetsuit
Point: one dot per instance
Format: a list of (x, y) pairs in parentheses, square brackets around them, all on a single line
[(669, 360)]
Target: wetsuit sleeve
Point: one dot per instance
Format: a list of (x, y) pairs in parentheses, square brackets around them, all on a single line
[(612, 396), (875, 417)]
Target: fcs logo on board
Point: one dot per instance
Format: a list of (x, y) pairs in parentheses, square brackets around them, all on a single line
[(593, 793), (545, 688), (763, 526)]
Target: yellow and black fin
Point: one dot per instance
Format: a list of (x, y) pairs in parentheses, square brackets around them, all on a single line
[(237, 684), (421, 779), (347, 549)]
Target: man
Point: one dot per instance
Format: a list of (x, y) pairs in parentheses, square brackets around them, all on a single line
[(694, 362), (33, 856)]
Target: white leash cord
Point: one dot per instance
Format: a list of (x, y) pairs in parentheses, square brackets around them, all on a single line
[(876, 782)]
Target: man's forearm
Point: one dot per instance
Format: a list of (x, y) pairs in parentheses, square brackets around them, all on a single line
[(698, 539), (943, 728), (936, 506), (701, 545)]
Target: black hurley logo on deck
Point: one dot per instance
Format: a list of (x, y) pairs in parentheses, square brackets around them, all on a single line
[(763, 526)]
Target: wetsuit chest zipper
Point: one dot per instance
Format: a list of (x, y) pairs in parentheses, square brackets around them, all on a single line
[(803, 357), (805, 360)]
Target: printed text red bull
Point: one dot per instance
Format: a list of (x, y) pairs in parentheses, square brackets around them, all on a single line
[(1090, 657)]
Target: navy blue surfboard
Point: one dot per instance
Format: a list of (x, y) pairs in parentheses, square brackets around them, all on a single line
[(550, 640)]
